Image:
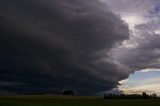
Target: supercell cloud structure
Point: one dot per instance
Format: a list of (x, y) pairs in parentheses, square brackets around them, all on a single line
[(52, 45)]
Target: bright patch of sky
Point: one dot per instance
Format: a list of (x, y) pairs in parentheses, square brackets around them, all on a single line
[(146, 80), (133, 20)]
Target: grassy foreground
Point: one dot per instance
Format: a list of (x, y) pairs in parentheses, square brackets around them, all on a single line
[(71, 101)]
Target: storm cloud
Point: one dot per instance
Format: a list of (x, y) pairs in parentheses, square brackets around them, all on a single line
[(51, 45)]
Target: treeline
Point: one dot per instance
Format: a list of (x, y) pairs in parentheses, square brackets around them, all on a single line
[(132, 96)]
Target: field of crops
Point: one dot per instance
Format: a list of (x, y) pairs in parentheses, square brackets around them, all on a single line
[(71, 101)]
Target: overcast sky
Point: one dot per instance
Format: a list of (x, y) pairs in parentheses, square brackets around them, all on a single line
[(87, 46)]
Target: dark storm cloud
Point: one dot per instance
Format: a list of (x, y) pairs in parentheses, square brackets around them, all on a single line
[(61, 44)]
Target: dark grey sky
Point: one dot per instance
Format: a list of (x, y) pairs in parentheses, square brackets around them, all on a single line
[(48, 46)]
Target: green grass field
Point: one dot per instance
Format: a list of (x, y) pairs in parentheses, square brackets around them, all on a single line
[(71, 101)]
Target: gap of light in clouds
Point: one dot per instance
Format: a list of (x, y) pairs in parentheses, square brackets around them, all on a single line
[(142, 81)]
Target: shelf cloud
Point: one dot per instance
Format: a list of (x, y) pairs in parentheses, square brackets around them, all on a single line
[(51, 45)]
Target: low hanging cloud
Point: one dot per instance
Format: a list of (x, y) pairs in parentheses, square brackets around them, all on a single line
[(60, 44)]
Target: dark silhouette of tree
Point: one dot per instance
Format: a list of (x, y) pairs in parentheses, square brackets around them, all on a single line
[(68, 92), (154, 95), (145, 95)]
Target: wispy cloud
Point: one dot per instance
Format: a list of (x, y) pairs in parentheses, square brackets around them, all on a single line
[(150, 70)]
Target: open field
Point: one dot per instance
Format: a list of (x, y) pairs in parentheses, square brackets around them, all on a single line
[(71, 101)]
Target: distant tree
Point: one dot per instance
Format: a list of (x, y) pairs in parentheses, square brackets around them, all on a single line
[(105, 96), (145, 95), (154, 95), (68, 92)]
